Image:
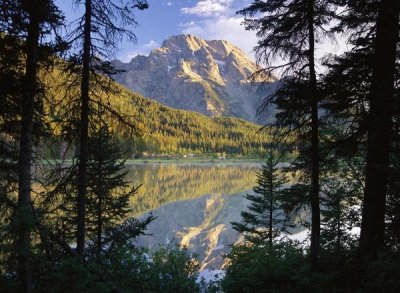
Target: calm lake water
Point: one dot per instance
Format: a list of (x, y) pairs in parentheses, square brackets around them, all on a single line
[(194, 205)]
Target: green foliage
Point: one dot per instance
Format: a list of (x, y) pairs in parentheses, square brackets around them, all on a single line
[(284, 268), (71, 275), (263, 220), (393, 204), (164, 130), (382, 275), (167, 130), (340, 214), (172, 271), (108, 204), (8, 207), (283, 30), (126, 270), (108, 191), (265, 269)]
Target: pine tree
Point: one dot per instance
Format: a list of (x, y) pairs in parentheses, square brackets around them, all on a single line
[(28, 24), (380, 137), (108, 200), (104, 23), (290, 30), (361, 97), (264, 218), (343, 192), (11, 76), (109, 223)]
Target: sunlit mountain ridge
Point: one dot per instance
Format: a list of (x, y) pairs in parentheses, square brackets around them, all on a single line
[(209, 77)]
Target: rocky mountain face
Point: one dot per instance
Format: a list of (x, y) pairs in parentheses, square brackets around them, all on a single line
[(194, 205), (187, 72), (203, 226)]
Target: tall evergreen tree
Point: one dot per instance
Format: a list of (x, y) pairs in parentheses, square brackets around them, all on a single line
[(103, 24), (11, 73), (343, 192), (109, 223), (28, 24), (380, 137), (290, 30), (36, 15), (265, 218), (361, 100), (108, 202)]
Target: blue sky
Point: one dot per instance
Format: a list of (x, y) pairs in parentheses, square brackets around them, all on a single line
[(209, 19)]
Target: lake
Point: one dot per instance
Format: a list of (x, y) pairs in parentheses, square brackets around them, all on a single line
[(194, 205)]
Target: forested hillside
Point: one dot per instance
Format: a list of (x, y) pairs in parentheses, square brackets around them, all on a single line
[(68, 225), (164, 130)]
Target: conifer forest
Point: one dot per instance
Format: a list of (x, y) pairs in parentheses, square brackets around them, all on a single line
[(196, 165)]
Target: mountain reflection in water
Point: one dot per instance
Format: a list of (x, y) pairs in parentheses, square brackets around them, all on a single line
[(167, 183), (194, 205)]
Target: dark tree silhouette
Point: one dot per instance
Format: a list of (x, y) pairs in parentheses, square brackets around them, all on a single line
[(108, 202), (103, 24), (343, 192), (264, 219), (290, 30), (27, 23), (380, 129)]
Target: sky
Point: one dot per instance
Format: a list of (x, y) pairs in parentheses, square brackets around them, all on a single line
[(208, 19)]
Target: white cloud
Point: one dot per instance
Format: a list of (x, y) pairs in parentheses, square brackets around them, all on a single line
[(208, 8), (151, 45), (216, 20), (144, 49), (223, 28)]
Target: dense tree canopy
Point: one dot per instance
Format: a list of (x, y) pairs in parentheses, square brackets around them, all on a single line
[(68, 206)]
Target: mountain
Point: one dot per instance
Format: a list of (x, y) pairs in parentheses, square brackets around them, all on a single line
[(164, 130), (187, 72)]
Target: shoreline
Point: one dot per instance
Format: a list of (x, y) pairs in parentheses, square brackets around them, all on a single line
[(192, 161), (131, 162)]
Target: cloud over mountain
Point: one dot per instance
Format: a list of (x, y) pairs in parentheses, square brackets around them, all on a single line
[(217, 19)]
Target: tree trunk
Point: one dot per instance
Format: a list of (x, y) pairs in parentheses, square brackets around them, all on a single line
[(379, 130), (99, 228), (314, 194), (271, 202), (339, 235), (25, 154), (84, 132)]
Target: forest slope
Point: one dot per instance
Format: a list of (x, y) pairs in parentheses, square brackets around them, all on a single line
[(165, 130)]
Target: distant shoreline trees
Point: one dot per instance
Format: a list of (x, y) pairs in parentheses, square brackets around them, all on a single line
[(339, 128)]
